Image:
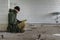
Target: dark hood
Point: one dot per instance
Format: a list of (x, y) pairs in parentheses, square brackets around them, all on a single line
[(12, 10)]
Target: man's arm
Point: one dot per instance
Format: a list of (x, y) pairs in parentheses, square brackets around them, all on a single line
[(18, 21)]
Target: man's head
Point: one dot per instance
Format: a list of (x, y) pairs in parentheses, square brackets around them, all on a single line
[(17, 8)]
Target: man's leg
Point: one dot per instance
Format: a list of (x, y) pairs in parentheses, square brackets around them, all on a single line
[(21, 26)]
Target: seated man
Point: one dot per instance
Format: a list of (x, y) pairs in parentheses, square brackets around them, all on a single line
[(12, 21)]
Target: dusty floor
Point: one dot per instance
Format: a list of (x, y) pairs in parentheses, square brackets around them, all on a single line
[(34, 32)]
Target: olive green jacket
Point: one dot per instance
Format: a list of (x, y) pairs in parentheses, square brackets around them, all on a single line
[(12, 16)]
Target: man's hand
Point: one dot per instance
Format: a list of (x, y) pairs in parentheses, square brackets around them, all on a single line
[(24, 20)]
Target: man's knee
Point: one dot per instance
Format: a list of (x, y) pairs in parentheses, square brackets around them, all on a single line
[(21, 25)]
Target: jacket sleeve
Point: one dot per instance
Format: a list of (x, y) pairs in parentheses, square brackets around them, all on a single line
[(18, 21), (11, 18)]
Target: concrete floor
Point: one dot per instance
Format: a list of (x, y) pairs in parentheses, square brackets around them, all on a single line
[(32, 33)]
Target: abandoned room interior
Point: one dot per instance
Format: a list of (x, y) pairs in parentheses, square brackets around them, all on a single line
[(41, 19)]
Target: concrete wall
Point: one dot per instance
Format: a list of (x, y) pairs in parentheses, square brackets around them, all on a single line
[(3, 14), (3, 11), (35, 11)]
